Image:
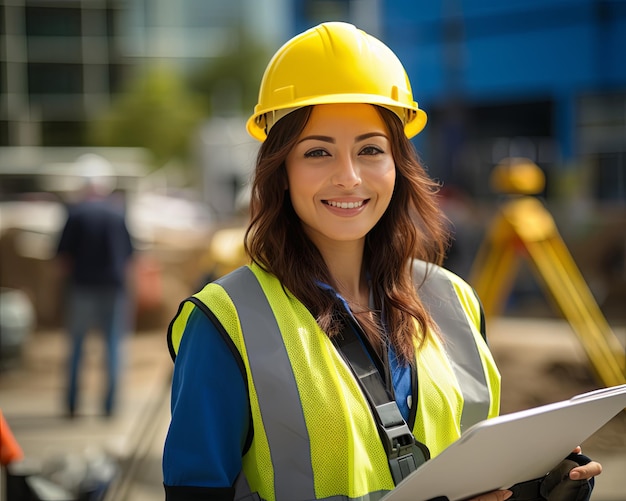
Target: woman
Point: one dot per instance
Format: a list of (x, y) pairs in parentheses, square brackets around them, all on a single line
[(266, 401)]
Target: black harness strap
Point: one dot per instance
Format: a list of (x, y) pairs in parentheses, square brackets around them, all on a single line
[(404, 452)]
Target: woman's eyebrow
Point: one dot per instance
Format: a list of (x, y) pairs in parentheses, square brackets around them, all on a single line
[(368, 135), (329, 139), (326, 139)]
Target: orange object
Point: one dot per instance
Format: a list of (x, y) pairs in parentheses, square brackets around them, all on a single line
[(148, 283), (10, 450)]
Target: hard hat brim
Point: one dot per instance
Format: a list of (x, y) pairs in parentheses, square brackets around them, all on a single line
[(256, 126)]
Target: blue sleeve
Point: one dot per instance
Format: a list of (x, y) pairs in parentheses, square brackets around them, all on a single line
[(210, 411)]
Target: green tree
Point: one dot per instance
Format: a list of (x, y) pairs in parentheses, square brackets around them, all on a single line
[(230, 83), (157, 112)]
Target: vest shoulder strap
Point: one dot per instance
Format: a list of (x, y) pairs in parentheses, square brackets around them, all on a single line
[(438, 294)]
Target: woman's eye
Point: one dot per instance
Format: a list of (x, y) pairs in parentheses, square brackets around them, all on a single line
[(371, 150), (317, 152)]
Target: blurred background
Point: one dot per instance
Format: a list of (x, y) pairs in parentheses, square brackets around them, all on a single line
[(161, 89)]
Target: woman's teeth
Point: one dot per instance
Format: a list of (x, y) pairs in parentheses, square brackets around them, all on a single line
[(345, 205)]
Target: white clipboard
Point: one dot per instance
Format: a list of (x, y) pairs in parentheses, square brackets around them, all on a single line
[(500, 452)]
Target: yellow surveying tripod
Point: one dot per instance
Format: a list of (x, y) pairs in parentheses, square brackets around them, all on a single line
[(524, 228)]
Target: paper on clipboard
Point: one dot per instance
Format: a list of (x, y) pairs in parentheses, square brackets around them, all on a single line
[(512, 448)]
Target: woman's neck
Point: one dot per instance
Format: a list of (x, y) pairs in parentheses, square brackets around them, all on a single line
[(345, 264)]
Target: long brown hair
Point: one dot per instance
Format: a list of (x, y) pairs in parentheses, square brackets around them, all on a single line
[(413, 227)]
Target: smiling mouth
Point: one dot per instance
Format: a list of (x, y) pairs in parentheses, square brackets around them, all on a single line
[(345, 205)]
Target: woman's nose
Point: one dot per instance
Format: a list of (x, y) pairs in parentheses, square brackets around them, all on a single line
[(347, 174)]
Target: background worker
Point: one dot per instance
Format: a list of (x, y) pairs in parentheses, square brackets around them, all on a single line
[(345, 241), (95, 251)]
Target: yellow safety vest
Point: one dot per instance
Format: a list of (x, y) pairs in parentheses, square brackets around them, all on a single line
[(314, 435)]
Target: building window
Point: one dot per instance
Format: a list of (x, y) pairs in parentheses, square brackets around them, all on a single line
[(47, 21), (601, 137), (4, 132), (51, 78), (62, 133), (610, 177)]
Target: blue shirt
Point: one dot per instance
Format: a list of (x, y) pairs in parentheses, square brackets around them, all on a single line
[(96, 240)]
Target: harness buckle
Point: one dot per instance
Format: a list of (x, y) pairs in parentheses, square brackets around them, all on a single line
[(405, 453)]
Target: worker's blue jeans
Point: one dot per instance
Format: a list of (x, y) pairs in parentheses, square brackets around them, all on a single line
[(105, 309)]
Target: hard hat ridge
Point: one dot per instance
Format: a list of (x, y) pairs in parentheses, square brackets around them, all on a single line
[(334, 62)]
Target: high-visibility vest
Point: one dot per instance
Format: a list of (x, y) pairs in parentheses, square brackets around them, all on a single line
[(314, 435)]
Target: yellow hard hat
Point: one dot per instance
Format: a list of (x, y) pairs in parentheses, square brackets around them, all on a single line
[(334, 63)]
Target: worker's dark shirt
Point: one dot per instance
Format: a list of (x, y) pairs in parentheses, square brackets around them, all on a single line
[(97, 242)]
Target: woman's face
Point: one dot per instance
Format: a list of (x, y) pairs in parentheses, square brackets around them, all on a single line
[(341, 172)]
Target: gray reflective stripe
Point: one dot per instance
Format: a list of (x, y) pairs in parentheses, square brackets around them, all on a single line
[(438, 295), (278, 395), (242, 489)]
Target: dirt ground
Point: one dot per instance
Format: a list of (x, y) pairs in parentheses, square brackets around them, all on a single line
[(542, 361)]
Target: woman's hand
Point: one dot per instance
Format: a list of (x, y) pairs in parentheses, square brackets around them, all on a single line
[(583, 472), (586, 471)]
